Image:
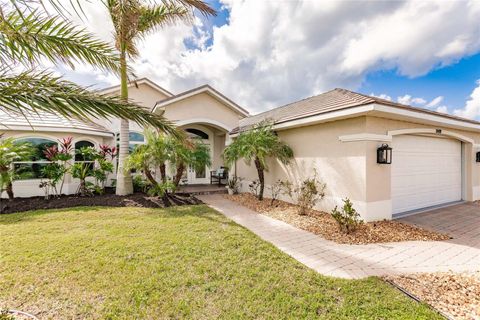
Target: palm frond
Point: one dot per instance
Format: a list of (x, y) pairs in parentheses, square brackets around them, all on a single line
[(199, 5), (31, 36), (42, 92), (152, 18)]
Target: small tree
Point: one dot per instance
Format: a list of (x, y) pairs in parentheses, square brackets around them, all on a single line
[(189, 153), (11, 151), (347, 218), (142, 159), (257, 145), (84, 169)]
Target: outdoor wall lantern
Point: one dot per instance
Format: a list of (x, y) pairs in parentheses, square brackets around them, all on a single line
[(384, 154), (478, 156)]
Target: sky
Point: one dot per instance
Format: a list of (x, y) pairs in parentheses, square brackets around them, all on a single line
[(266, 53)]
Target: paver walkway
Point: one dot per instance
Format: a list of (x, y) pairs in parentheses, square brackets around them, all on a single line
[(358, 261)]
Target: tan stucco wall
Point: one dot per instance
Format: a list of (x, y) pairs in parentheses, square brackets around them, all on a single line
[(202, 106), (145, 95), (317, 147), (349, 168)]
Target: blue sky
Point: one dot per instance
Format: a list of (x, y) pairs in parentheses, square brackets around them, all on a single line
[(454, 82), (263, 54)]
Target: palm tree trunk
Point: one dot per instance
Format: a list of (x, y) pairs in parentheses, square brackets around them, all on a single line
[(9, 190), (261, 178), (179, 173), (163, 172), (149, 175), (124, 178)]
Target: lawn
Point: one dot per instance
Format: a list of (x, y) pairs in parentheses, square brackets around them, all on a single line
[(182, 262)]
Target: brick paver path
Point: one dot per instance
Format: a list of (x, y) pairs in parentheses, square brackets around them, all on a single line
[(358, 261)]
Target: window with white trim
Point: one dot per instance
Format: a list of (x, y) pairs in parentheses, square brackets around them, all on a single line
[(32, 168)]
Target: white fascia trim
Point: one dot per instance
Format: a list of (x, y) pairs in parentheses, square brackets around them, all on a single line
[(426, 117), (57, 129), (198, 91), (329, 116), (431, 131), (141, 81), (365, 137)]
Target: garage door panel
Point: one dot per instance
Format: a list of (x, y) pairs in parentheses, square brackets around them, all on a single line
[(426, 171)]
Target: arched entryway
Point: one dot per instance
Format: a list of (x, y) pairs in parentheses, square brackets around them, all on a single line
[(214, 137)]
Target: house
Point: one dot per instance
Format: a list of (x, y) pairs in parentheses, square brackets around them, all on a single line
[(336, 134), (203, 112)]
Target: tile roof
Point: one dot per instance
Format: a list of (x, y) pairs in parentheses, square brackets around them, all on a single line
[(336, 99), (37, 121)]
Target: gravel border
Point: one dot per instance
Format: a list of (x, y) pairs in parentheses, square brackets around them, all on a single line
[(323, 224)]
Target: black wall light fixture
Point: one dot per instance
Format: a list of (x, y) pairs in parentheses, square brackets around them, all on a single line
[(384, 154), (478, 156)]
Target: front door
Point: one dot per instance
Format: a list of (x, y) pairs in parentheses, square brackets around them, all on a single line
[(198, 176)]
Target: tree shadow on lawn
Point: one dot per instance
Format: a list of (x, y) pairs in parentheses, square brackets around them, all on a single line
[(176, 212)]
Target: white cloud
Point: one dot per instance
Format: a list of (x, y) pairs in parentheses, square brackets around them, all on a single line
[(471, 109), (273, 52), (435, 102), (382, 96), (442, 109), (409, 100)]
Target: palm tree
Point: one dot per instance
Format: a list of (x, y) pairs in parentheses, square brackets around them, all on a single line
[(258, 144), (29, 36), (133, 20)]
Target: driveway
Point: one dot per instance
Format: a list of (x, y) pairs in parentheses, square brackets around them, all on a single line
[(461, 221), (357, 261)]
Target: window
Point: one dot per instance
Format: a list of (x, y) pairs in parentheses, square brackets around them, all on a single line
[(134, 139), (79, 145), (32, 168), (78, 157)]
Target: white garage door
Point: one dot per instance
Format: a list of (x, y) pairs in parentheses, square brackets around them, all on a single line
[(426, 172)]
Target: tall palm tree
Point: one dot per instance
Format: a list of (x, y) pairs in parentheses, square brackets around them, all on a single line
[(28, 35), (258, 144), (133, 20)]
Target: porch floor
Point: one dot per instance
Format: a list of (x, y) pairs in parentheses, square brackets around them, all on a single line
[(199, 189)]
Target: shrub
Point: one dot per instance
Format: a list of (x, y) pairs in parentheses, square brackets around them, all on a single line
[(140, 184), (280, 187), (254, 187), (347, 218), (161, 189), (234, 184), (310, 191), (307, 194)]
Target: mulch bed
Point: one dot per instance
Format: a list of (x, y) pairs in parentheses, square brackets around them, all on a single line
[(323, 224), (109, 199), (457, 295)]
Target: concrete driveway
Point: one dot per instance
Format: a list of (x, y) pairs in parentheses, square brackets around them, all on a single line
[(357, 261)]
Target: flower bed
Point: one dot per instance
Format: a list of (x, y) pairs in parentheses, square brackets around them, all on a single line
[(323, 224), (457, 295), (107, 200)]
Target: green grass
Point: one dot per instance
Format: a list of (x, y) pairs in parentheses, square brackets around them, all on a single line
[(184, 262)]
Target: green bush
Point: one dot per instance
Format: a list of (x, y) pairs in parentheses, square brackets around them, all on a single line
[(347, 218)]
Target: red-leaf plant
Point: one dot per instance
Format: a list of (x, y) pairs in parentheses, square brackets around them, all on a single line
[(107, 151), (60, 157)]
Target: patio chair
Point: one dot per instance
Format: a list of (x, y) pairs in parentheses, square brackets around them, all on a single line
[(216, 176)]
